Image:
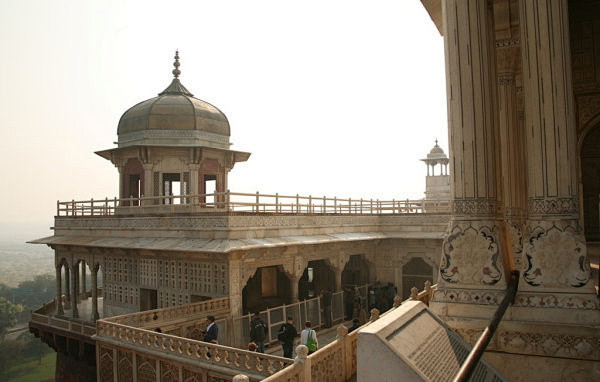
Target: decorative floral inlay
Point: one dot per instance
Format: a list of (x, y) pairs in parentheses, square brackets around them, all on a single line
[(555, 258), (471, 256)]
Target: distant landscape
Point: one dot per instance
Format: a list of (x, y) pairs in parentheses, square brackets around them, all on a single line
[(20, 261)]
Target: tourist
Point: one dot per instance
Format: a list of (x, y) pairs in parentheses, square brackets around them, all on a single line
[(212, 331), (355, 325), (362, 315), (308, 337), (258, 332), (252, 347), (287, 333), (326, 307)]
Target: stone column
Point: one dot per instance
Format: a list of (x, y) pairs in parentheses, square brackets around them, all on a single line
[(67, 287), (94, 269), (148, 183), (74, 278), (338, 279), (194, 182), (555, 249), (59, 306), (294, 288), (471, 257), (121, 168), (83, 281), (235, 286)]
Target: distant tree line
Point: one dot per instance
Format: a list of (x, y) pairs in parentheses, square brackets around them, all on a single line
[(30, 294), (16, 305)]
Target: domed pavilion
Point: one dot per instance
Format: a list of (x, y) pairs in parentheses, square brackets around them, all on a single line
[(172, 144)]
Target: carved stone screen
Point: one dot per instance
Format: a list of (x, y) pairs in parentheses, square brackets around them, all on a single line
[(418, 346)]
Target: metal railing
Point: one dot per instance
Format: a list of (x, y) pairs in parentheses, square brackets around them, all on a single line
[(248, 203), (337, 360), (301, 311)]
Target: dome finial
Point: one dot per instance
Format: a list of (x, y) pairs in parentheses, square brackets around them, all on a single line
[(436, 143), (176, 71)]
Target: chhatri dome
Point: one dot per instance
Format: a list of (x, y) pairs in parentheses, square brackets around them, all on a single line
[(436, 153), (172, 144), (174, 118)]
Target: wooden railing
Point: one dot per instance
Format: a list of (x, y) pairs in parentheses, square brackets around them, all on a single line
[(249, 203), (336, 362), (237, 359)]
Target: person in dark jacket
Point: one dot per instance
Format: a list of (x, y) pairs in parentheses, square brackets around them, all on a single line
[(258, 332), (287, 334), (326, 297), (212, 331)]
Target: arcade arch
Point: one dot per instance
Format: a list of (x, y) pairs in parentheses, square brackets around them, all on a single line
[(590, 177), (414, 274), (268, 287), (317, 276)]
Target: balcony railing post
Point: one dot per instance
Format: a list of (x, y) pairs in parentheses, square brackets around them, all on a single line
[(228, 200), (257, 202), (335, 204), (74, 211), (361, 205), (371, 205), (92, 206), (277, 209), (310, 209), (297, 204), (57, 208)]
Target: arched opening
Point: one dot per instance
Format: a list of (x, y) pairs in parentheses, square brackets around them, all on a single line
[(268, 288), (414, 274), (590, 176), (356, 272), (317, 276)]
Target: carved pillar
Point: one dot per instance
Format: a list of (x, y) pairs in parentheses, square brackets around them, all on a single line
[(121, 168), (194, 180), (294, 287), (236, 284), (148, 183), (74, 269), (67, 287), (338, 279), (94, 286), (59, 306), (471, 255), (555, 248), (83, 281)]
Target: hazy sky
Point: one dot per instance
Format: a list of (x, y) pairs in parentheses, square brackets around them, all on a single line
[(336, 98)]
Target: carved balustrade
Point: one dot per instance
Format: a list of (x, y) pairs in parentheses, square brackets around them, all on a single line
[(232, 358), (158, 317)]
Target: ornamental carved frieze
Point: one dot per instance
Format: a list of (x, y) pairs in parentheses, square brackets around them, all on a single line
[(522, 300), (537, 343), (471, 256), (553, 206), (556, 255), (475, 207)]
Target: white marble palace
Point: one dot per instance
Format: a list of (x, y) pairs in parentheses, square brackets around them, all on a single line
[(518, 195)]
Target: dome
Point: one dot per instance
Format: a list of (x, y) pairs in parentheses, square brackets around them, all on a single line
[(174, 118), (436, 152)]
